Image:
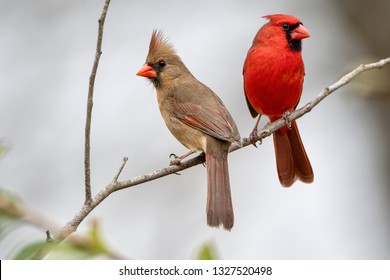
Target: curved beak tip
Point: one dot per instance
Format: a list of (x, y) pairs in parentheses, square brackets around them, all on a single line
[(300, 33)]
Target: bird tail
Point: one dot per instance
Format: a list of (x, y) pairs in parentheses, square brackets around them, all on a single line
[(219, 202), (291, 158)]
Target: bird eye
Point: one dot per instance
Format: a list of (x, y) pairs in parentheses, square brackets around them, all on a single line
[(162, 63), (285, 26)]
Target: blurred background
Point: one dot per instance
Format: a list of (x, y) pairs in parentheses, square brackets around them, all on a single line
[(46, 53)]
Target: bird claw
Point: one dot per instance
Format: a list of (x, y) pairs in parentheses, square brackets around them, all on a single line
[(253, 136), (286, 118), (175, 161)]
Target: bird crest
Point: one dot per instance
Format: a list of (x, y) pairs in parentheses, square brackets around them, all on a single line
[(160, 46)]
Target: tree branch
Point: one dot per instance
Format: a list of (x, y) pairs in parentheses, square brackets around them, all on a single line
[(115, 185), (87, 165)]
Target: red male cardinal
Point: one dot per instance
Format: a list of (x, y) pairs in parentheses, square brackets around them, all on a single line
[(273, 81), (198, 119)]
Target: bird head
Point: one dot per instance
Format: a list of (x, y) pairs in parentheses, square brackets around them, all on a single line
[(291, 27), (162, 63)]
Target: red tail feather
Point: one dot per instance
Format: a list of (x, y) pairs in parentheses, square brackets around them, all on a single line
[(291, 158)]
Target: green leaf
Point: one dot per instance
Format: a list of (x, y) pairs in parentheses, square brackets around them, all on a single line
[(207, 252), (32, 250), (90, 245), (9, 205), (97, 243)]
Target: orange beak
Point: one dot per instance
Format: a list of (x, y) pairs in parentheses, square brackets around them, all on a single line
[(147, 71), (300, 33)]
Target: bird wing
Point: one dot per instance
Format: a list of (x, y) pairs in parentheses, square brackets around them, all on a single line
[(210, 121), (252, 110)]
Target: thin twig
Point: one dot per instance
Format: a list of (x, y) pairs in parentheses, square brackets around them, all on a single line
[(87, 164), (72, 225), (120, 170)]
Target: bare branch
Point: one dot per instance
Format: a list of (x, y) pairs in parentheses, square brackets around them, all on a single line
[(120, 170), (87, 165), (89, 203), (115, 185)]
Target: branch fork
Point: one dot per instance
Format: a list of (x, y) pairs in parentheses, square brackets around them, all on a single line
[(90, 203)]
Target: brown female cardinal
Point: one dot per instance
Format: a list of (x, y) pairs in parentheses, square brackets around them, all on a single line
[(198, 119), (273, 81)]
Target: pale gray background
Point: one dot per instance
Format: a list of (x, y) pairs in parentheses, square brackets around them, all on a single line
[(46, 54)]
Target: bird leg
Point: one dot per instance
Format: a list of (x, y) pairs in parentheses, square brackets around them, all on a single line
[(286, 118), (176, 160), (253, 134)]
